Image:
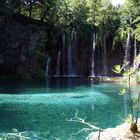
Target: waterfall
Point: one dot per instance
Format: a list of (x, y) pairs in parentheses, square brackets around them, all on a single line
[(47, 68), (64, 59), (104, 57), (93, 55), (127, 51), (71, 54), (64, 39), (58, 64), (135, 49)]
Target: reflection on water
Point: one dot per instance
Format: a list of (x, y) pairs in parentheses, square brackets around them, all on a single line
[(43, 107)]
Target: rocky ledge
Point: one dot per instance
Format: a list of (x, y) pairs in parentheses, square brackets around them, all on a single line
[(121, 132)]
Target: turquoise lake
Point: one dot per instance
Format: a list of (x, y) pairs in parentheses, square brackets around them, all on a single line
[(44, 107)]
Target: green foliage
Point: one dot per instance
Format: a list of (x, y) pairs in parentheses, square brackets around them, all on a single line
[(123, 91), (117, 69), (73, 13), (137, 32), (128, 119), (138, 77), (129, 72), (128, 15), (99, 16)]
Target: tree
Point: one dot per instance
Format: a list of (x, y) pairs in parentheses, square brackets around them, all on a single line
[(129, 73)]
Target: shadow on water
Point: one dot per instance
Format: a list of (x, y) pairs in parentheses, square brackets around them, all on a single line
[(18, 87)]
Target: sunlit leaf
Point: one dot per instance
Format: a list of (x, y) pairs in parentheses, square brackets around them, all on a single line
[(122, 91), (117, 69)]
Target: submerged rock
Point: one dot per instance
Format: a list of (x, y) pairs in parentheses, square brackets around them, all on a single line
[(78, 96), (14, 130), (15, 135)]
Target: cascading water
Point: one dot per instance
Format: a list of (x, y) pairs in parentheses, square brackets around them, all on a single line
[(93, 54), (104, 57), (58, 63), (64, 39), (71, 56), (127, 51), (47, 68), (63, 56), (135, 49)]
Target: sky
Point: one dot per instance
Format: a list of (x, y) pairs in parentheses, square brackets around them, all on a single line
[(117, 2)]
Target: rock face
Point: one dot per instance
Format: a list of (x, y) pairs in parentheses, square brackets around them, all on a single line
[(22, 49), (81, 55), (26, 47), (121, 132)]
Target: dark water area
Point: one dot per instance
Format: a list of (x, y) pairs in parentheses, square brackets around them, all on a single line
[(44, 107)]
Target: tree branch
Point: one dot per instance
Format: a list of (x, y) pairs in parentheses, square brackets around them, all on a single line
[(82, 121)]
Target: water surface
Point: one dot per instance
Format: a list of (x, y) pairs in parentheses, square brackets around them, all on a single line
[(44, 107)]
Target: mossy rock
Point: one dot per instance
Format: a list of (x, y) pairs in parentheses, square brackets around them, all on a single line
[(14, 130)]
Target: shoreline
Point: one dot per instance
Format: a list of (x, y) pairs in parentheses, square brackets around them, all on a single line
[(120, 132)]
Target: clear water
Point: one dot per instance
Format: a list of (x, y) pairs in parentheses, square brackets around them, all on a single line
[(45, 107)]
